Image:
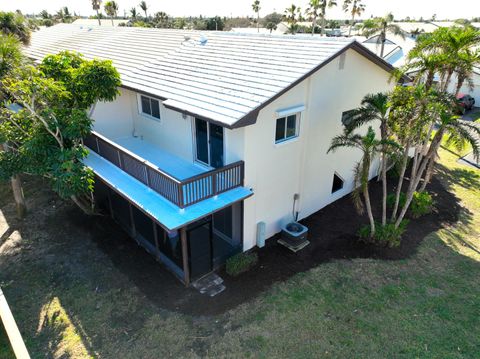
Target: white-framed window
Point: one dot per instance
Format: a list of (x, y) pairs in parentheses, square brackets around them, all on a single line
[(149, 107), (287, 127)]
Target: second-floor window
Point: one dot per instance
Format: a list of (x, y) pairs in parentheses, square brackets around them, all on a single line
[(287, 128), (150, 107)]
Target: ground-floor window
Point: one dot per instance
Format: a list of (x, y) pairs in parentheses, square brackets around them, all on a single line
[(337, 184)]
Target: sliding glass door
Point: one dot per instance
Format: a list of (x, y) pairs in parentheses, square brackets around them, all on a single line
[(209, 143)]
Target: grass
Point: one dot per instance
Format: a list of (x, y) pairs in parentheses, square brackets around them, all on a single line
[(72, 301)]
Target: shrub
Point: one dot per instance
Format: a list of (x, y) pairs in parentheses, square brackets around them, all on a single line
[(386, 235), (391, 200), (422, 203), (241, 262)]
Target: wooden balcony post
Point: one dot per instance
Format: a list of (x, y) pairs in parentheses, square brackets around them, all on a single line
[(186, 269)]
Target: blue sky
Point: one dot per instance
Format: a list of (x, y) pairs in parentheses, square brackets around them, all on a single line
[(400, 8)]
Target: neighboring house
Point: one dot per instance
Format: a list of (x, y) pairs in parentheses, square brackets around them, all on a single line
[(396, 48), (215, 133)]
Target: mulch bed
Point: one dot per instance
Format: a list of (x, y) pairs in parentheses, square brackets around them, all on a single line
[(332, 233)]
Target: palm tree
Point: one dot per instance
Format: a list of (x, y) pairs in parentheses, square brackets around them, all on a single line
[(133, 13), (111, 8), (465, 68), (374, 108), (256, 9), (452, 43), (291, 16), (381, 26), (271, 26), (15, 24), (144, 7), (354, 7), (425, 66), (317, 9), (458, 133), (96, 5), (369, 147)]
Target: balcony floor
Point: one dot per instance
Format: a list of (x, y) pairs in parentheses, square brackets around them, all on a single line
[(171, 164)]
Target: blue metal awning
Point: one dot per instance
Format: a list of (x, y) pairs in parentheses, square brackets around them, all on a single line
[(166, 213)]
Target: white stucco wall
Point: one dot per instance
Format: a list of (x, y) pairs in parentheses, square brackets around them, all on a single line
[(277, 171), (173, 132)]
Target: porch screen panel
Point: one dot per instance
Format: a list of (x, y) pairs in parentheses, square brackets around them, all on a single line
[(121, 210), (170, 246), (144, 227), (101, 192)]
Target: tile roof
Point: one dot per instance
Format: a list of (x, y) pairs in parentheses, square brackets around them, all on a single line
[(220, 76)]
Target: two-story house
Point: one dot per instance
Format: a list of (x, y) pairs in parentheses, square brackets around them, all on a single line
[(214, 133)]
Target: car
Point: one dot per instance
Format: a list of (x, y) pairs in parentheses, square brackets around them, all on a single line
[(465, 102)]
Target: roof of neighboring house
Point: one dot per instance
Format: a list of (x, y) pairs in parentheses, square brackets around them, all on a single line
[(396, 48), (413, 26), (94, 22), (223, 77)]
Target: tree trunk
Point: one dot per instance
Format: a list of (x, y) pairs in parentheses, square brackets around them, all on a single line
[(17, 190), (111, 18), (98, 18), (400, 182), (258, 22), (383, 38), (429, 173), (429, 81), (447, 80), (20, 205), (314, 24), (351, 25), (366, 195), (322, 29), (459, 84), (82, 204), (384, 189), (415, 181)]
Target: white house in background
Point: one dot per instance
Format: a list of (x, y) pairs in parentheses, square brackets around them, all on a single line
[(214, 133)]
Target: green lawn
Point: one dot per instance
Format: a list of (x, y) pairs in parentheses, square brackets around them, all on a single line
[(72, 302)]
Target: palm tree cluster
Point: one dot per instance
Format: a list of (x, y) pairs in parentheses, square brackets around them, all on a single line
[(411, 120), (447, 53), (15, 24), (380, 26), (317, 10)]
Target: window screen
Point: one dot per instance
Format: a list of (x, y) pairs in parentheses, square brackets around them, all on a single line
[(150, 106), (286, 128)]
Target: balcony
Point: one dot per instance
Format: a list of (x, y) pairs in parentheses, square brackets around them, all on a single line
[(181, 183)]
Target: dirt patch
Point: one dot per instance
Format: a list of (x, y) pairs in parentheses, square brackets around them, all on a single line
[(332, 232)]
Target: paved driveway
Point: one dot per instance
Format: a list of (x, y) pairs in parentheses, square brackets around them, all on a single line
[(472, 115)]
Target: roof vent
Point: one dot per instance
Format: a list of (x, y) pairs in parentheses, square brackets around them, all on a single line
[(203, 40)]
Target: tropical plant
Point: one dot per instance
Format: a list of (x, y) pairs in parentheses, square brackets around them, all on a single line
[(380, 26), (355, 8), (375, 108), (317, 9), (111, 9), (15, 24), (291, 16), (422, 204), (466, 63), (271, 26), (45, 136), (370, 147), (133, 13), (256, 8), (44, 14), (11, 58), (143, 5), (97, 5)]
